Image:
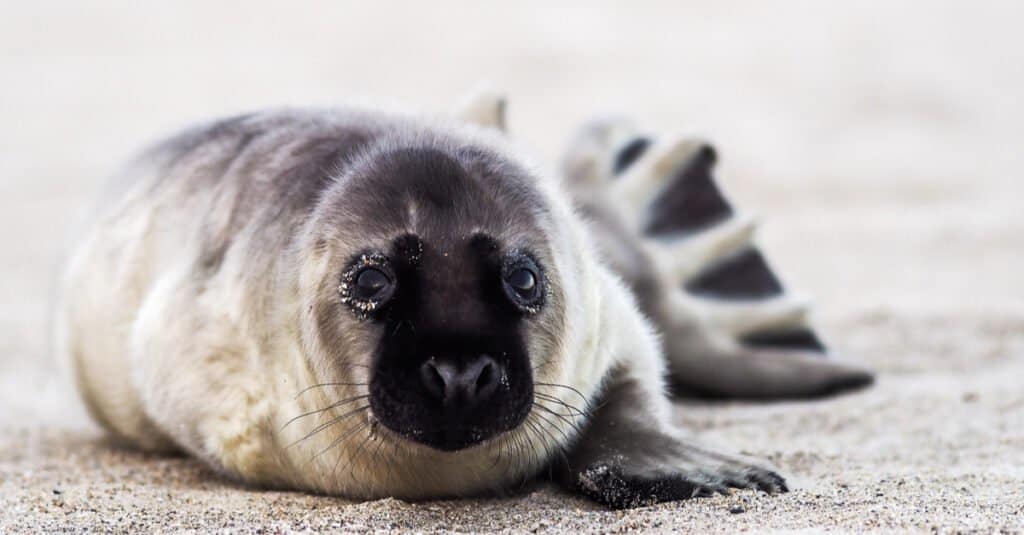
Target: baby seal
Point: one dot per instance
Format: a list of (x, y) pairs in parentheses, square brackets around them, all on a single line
[(369, 305)]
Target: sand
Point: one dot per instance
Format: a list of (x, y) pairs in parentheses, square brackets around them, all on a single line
[(879, 142)]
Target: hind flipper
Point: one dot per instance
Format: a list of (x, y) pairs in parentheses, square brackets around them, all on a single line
[(729, 326), (706, 360)]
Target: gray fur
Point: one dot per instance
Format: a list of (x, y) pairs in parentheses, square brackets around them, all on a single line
[(202, 311)]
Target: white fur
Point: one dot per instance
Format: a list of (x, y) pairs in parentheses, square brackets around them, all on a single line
[(682, 259), (645, 179), (216, 369)]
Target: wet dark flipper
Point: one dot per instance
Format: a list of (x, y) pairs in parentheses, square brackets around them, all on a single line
[(626, 458)]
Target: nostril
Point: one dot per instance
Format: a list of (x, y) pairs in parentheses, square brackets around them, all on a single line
[(487, 378), (433, 379), (466, 385)]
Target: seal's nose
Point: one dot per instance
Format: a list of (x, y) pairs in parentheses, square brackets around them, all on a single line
[(461, 385)]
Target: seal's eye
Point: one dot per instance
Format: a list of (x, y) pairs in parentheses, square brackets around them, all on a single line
[(370, 284), (524, 283)]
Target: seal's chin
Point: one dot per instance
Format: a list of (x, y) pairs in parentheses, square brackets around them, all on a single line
[(445, 432), (451, 438)]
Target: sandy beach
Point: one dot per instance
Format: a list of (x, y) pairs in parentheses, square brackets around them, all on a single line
[(880, 143)]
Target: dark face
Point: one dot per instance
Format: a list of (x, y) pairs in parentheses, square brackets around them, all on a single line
[(451, 368), (449, 303)]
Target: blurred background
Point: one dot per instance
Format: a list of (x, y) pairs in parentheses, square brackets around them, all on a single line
[(880, 141)]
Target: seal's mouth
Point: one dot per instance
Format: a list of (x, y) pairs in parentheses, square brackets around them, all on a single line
[(450, 439), (454, 402)]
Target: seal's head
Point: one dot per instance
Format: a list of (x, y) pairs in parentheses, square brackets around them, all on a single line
[(439, 292), (447, 297)]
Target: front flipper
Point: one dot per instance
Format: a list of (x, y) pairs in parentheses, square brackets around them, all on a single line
[(627, 458)]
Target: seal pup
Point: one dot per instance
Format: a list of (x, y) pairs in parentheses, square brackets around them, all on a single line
[(368, 304)]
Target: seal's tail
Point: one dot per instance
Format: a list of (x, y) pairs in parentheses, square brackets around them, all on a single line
[(729, 326)]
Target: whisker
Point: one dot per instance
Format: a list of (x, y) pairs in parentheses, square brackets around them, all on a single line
[(321, 385), (565, 419), (514, 448), (556, 425), (556, 385), (519, 452), (537, 433), (389, 461), (560, 446), (333, 421), (563, 451), (338, 440), (497, 457), (374, 460), (327, 408), (548, 397), (354, 458)]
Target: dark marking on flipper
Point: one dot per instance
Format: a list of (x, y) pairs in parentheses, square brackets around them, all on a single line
[(766, 364), (691, 201), (805, 339), (630, 154), (745, 275)]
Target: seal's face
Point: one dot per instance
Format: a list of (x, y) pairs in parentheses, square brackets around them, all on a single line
[(452, 294), (451, 366)]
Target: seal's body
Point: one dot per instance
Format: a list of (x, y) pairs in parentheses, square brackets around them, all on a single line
[(371, 305)]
